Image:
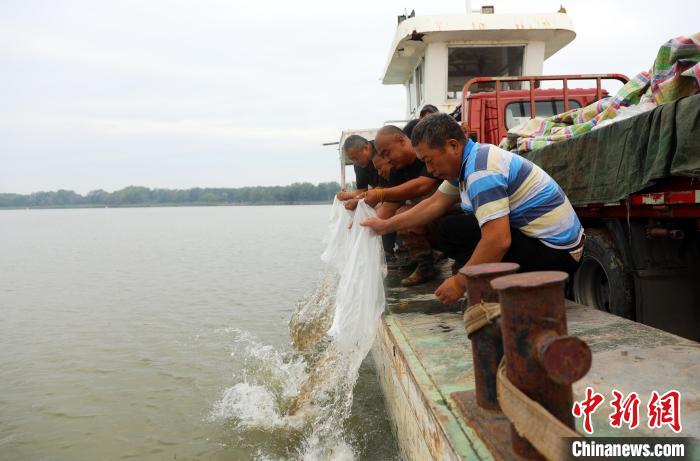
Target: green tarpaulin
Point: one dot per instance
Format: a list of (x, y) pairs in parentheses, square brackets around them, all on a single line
[(608, 164)]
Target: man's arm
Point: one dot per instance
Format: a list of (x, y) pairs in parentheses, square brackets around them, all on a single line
[(426, 211), (415, 188), (387, 209), (493, 245), (342, 195)]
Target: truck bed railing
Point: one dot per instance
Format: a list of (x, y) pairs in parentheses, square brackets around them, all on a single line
[(534, 79)]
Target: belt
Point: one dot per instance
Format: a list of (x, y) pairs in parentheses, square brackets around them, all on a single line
[(580, 244), (577, 251)]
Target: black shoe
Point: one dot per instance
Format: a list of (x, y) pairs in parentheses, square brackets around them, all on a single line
[(425, 272), (408, 265)]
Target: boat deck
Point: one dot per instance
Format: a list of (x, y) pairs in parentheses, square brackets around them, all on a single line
[(423, 358)]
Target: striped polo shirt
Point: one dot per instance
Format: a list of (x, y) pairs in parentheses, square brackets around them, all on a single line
[(494, 183)]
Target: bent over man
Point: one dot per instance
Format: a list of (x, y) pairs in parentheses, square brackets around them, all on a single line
[(410, 183), (361, 152), (513, 210), (370, 171)]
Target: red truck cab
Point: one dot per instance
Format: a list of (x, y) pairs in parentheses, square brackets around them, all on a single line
[(491, 111)]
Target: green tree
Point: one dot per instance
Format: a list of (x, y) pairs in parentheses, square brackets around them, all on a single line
[(138, 195)]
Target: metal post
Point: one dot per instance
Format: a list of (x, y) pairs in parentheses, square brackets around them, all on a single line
[(487, 346), (498, 107), (541, 360), (342, 168)]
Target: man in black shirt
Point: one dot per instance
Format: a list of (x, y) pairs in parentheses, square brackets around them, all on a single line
[(360, 151), (410, 183), (410, 179), (366, 164)]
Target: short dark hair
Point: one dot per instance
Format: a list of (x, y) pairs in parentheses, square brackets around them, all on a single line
[(354, 141), (408, 129), (428, 109), (436, 129)]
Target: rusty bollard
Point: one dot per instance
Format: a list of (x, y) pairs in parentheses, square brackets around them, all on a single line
[(487, 346), (541, 360)]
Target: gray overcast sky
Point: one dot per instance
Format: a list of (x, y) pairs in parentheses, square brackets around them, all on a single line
[(177, 94)]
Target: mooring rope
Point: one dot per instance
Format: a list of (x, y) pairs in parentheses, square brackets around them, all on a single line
[(532, 421), (480, 315)]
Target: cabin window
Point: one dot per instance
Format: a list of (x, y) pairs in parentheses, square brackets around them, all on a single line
[(420, 84), (467, 62), (411, 94), (519, 112)]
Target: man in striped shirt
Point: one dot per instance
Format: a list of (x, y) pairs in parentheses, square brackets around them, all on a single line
[(513, 210)]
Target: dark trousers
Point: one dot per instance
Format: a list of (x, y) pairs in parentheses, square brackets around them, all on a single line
[(459, 234), (388, 242)]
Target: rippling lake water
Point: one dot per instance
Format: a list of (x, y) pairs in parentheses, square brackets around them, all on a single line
[(123, 330)]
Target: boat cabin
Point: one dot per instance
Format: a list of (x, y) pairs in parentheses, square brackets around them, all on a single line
[(434, 56)]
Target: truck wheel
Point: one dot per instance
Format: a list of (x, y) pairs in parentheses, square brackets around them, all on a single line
[(602, 281)]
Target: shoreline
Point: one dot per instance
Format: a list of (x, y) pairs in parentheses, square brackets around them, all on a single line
[(165, 205)]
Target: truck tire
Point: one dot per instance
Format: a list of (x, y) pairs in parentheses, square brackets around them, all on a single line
[(602, 281)]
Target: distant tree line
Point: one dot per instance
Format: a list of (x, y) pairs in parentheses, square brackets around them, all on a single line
[(142, 196)]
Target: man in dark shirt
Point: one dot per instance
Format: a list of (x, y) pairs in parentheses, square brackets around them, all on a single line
[(367, 167), (360, 151), (410, 183), (410, 180), (408, 129)]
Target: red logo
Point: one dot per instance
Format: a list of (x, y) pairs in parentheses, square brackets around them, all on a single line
[(625, 411), (662, 410), (586, 408), (665, 410)]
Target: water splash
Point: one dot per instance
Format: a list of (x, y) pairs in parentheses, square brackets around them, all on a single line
[(314, 315), (307, 395), (303, 396)]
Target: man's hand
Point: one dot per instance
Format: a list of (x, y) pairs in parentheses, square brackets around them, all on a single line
[(371, 197), (351, 204), (344, 195), (452, 289), (380, 226)]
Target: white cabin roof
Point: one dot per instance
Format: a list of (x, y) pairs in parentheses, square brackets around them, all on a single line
[(555, 30)]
